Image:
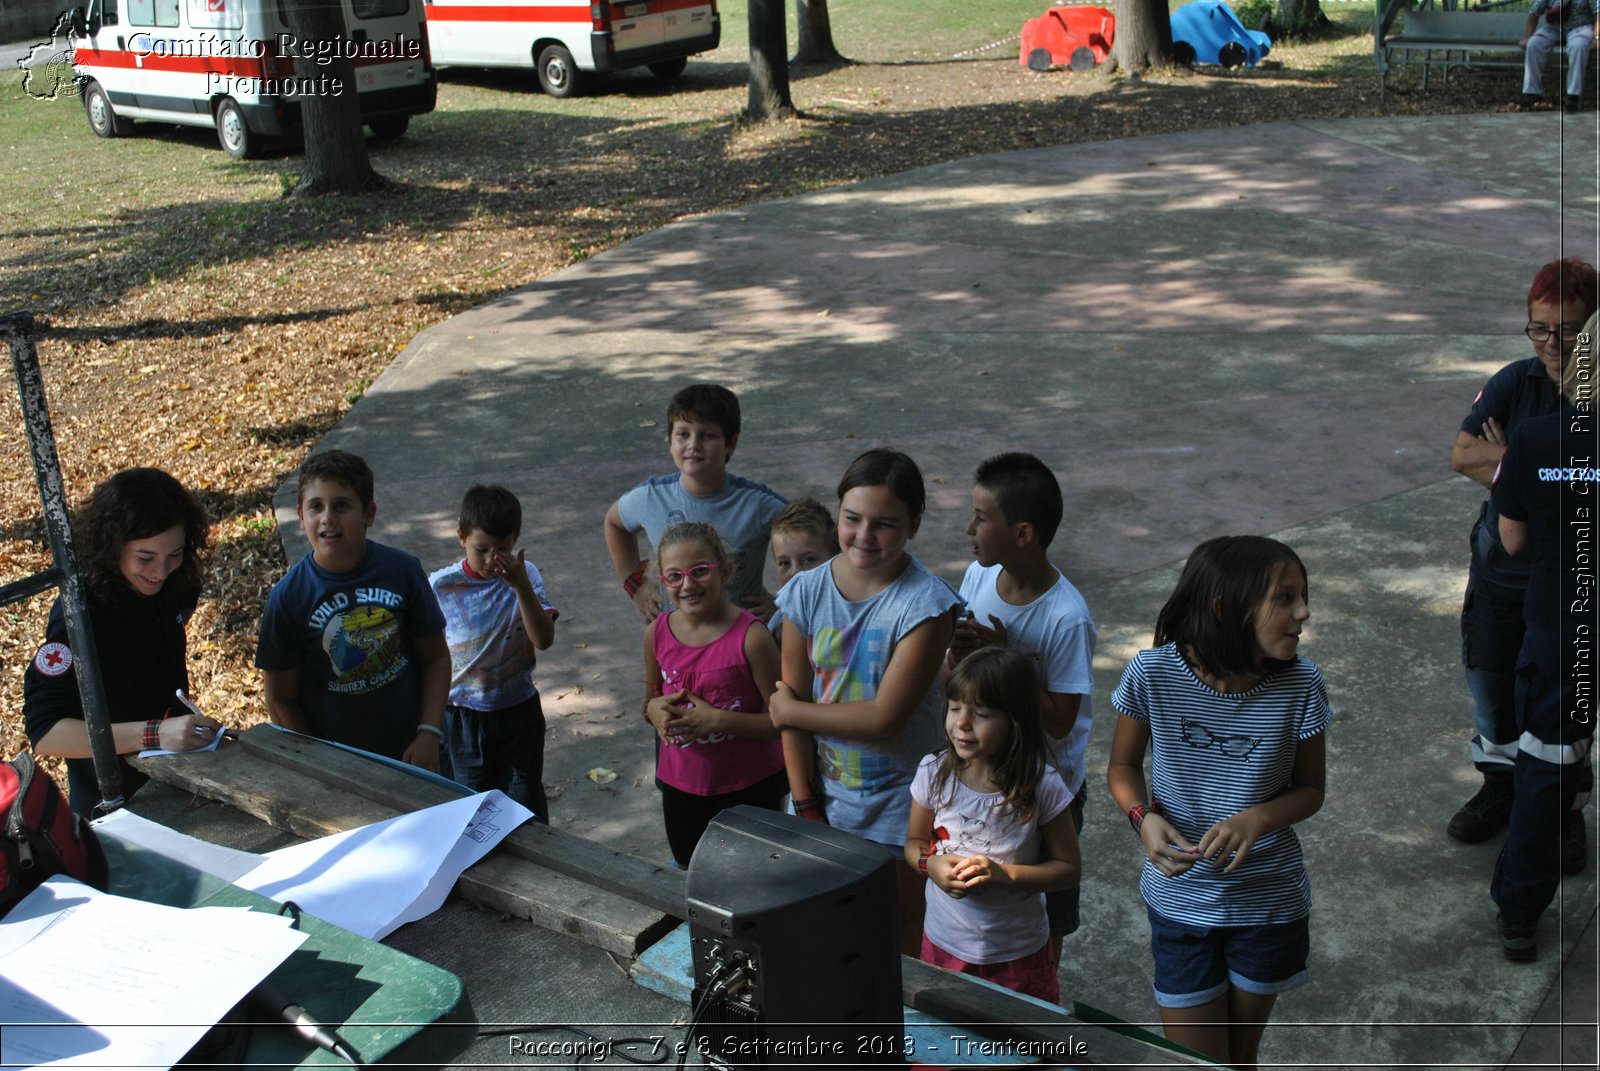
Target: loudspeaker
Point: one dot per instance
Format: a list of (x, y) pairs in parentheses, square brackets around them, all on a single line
[(795, 936)]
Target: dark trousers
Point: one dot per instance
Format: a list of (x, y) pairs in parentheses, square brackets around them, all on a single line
[(1491, 637), (501, 749), (1552, 776), (687, 815)]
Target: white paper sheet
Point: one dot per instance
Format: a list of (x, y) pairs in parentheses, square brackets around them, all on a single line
[(103, 981), (374, 879), (228, 864)]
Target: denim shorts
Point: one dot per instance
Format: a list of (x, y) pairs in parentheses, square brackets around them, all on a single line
[(1196, 964)]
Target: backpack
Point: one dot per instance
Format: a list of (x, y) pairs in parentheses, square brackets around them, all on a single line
[(42, 837)]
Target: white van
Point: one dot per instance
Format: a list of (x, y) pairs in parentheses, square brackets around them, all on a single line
[(230, 64), (564, 39)]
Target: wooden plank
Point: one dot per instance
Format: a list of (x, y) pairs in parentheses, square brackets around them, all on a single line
[(1055, 1036), (304, 805), (657, 887)]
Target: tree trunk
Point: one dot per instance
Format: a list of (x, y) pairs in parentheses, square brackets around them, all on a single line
[(1297, 18), (815, 33), (336, 148), (769, 61), (1144, 36)]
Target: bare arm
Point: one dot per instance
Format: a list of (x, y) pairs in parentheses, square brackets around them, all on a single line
[(1476, 457), (283, 699), (1059, 865), (912, 669), (1513, 535), (623, 546), (536, 620), (799, 747), (69, 737), (1060, 713), (432, 652), (1163, 844), (1235, 836)]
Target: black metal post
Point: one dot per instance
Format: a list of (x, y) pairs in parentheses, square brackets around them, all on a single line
[(17, 329)]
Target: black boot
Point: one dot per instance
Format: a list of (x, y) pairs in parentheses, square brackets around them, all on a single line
[(1484, 814)]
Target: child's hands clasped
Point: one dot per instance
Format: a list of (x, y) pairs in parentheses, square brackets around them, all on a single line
[(1166, 847), (1232, 837), (971, 873), (681, 717)]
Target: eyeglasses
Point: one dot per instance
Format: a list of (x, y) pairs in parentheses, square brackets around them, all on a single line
[(699, 572), (1538, 332), (1198, 736)]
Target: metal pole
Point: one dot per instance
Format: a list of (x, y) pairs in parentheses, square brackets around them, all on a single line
[(17, 329)]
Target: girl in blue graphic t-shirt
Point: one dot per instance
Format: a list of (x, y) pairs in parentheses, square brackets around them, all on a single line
[(863, 638), (1235, 723)]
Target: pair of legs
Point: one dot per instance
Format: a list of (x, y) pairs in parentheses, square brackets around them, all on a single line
[(1216, 985), (501, 749), (1491, 637), (1228, 1029), (1553, 777), (1545, 40), (687, 815)]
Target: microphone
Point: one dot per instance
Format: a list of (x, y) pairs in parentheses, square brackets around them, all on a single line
[(269, 998)]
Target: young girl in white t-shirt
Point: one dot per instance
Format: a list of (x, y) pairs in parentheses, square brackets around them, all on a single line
[(990, 829)]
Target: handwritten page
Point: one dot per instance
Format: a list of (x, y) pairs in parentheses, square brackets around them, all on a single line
[(374, 879), (103, 981)]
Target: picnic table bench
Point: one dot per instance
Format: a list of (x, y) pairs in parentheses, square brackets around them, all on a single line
[(1440, 34)]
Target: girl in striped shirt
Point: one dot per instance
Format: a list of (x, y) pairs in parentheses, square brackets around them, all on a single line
[(1234, 720)]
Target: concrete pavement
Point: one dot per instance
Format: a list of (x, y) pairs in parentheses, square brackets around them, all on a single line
[(1272, 329)]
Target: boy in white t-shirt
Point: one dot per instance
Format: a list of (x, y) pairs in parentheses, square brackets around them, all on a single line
[(1016, 598), (497, 619)]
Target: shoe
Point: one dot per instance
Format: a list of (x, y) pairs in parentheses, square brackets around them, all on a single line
[(1517, 942), (1574, 843), (1483, 815), (1530, 101), (1573, 103)]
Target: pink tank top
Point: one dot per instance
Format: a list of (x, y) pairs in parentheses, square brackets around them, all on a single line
[(718, 673)]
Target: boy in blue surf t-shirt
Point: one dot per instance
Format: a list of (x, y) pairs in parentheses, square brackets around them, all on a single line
[(352, 645)]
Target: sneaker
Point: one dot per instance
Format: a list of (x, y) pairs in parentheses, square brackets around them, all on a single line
[(1485, 813), (1530, 101), (1574, 843), (1517, 942), (1573, 103)]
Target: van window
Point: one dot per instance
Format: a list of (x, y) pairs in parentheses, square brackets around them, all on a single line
[(379, 9), (153, 12), (216, 14)]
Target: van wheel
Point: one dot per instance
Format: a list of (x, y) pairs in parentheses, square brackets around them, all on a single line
[(389, 127), (235, 136), (668, 69), (558, 74), (102, 119)]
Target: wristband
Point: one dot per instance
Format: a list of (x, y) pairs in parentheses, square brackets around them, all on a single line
[(1138, 812), (434, 729), (802, 806), (152, 734), (635, 581), (922, 860)]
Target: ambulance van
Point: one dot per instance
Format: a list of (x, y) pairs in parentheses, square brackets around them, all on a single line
[(229, 64), (566, 40)]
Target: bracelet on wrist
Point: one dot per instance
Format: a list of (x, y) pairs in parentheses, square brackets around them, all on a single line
[(424, 727), (634, 581), (152, 734), (802, 806), (1139, 811), (922, 860)]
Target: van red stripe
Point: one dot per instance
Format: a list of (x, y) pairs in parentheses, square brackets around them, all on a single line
[(504, 13), (241, 66)]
